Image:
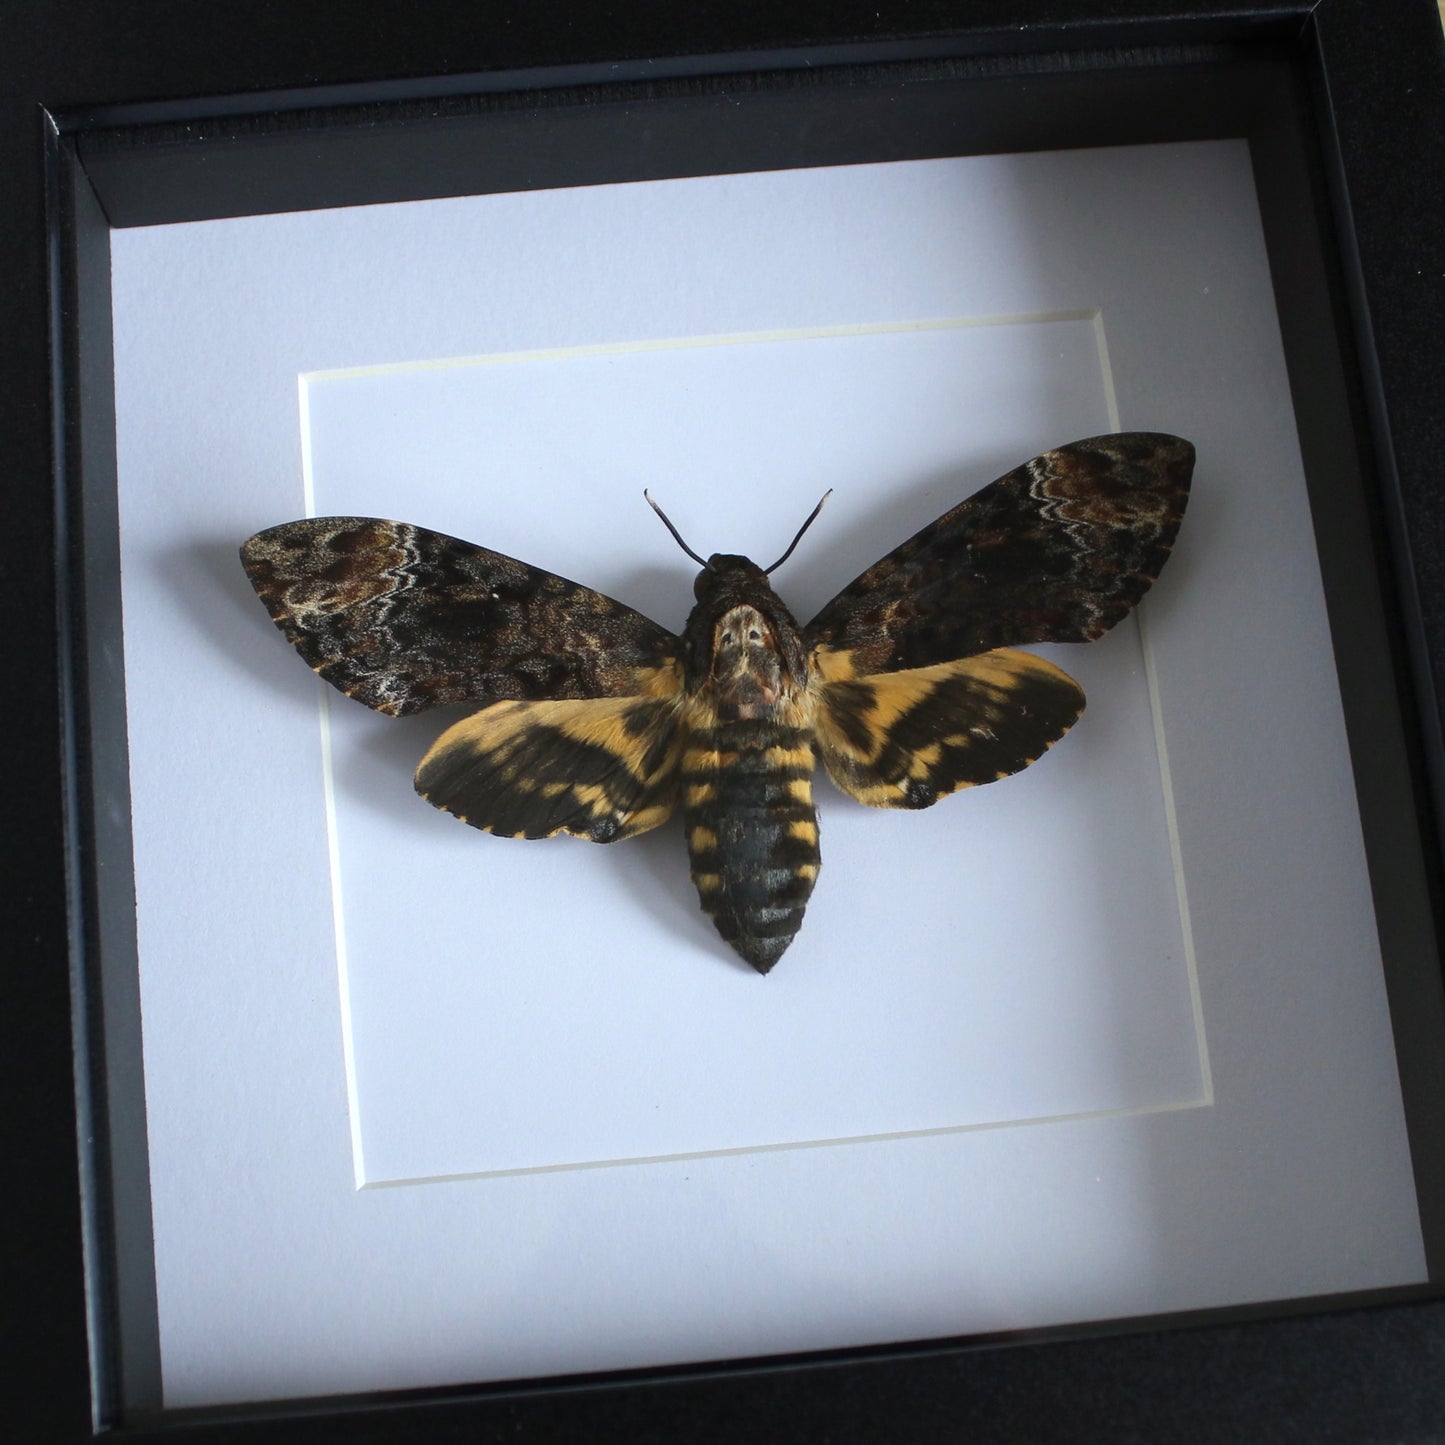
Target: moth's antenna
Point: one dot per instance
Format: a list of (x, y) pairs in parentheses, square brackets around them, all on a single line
[(812, 517), (676, 535)]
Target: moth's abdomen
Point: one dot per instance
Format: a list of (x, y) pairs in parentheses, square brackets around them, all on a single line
[(752, 832)]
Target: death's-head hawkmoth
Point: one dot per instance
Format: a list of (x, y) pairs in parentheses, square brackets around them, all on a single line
[(597, 722)]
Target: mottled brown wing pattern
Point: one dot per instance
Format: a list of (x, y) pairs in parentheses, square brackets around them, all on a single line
[(597, 768), (907, 739), (1059, 550), (401, 619), (598, 723)]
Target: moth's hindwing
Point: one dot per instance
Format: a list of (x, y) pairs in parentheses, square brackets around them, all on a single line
[(907, 739), (601, 769), (401, 619), (1059, 550)]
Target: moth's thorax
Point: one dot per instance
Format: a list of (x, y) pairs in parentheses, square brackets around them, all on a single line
[(744, 651), (746, 673)]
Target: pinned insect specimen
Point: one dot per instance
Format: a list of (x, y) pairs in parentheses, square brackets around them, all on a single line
[(597, 722)]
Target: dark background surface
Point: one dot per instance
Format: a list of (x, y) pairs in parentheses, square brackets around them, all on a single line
[(1365, 1375)]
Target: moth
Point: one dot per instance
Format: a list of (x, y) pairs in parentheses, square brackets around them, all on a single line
[(595, 721)]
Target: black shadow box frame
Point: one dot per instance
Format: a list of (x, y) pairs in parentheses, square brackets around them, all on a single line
[(134, 115)]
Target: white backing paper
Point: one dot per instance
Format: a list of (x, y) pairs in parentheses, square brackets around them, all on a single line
[(1109, 1037)]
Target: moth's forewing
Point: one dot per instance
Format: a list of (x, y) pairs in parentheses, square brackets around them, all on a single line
[(1059, 550), (402, 619)]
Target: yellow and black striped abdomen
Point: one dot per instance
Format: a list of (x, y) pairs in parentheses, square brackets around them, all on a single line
[(752, 833)]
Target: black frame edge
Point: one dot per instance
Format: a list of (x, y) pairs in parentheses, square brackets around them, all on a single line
[(1365, 177), (1365, 1374)]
